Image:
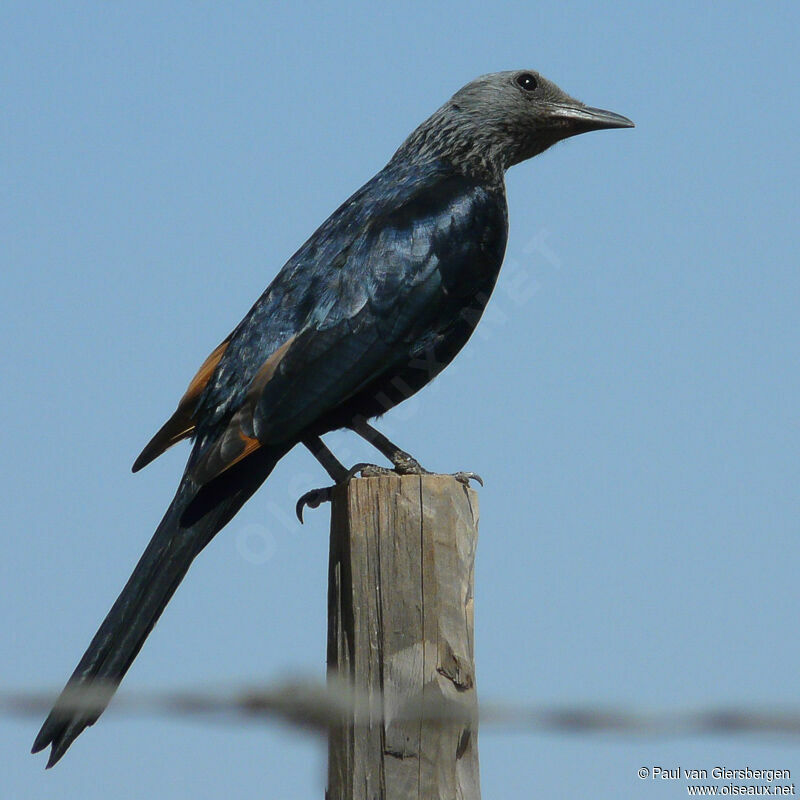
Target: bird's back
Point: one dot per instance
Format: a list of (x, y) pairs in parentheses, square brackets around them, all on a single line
[(394, 264)]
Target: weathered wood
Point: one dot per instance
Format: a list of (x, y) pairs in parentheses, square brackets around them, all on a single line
[(400, 635)]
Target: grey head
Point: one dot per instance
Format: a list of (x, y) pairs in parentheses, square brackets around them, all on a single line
[(503, 118)]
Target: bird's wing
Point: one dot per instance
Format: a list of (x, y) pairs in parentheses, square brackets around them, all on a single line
[(384, 293), (181, 424), (347, 309)]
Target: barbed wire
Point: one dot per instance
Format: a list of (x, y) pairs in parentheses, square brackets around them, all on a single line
[(317, 706)]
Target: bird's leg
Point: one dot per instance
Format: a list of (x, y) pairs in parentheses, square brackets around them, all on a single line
[(404, 464), (338, 472), (329, 462)]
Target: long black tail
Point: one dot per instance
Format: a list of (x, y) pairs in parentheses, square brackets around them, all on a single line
[(154, 580)]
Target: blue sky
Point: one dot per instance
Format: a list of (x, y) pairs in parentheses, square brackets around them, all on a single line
[(630, 397)]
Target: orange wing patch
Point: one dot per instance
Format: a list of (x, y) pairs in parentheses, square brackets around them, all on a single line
[(264, 375), (238, 441), (198, 383), (181, 424)]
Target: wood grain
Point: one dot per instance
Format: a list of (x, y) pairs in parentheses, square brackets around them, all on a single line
[(400, 636)]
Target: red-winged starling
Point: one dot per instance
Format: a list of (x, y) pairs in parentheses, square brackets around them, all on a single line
[(370, 309)]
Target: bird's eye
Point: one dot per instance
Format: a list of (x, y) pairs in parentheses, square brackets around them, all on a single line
[(527, 82)]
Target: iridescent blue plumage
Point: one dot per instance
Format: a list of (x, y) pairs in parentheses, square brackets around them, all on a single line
[(396, 271)]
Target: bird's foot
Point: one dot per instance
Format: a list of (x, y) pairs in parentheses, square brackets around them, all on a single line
[(404, 464), (466, 477), (373, 471), (313, 499), (316, 497), (413, 467)]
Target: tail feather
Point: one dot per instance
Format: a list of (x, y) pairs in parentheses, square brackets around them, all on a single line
[(161, 568)]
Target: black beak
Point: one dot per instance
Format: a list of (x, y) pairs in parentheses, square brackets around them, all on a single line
[(574, 119)]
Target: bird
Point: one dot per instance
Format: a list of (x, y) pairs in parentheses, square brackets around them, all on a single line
[(371, 308)]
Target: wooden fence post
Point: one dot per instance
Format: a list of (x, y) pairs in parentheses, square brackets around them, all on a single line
[(400, 637)]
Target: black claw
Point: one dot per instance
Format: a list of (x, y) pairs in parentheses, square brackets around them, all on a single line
[(466, 477), (313, 499), (316, 497), (360, 467)]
